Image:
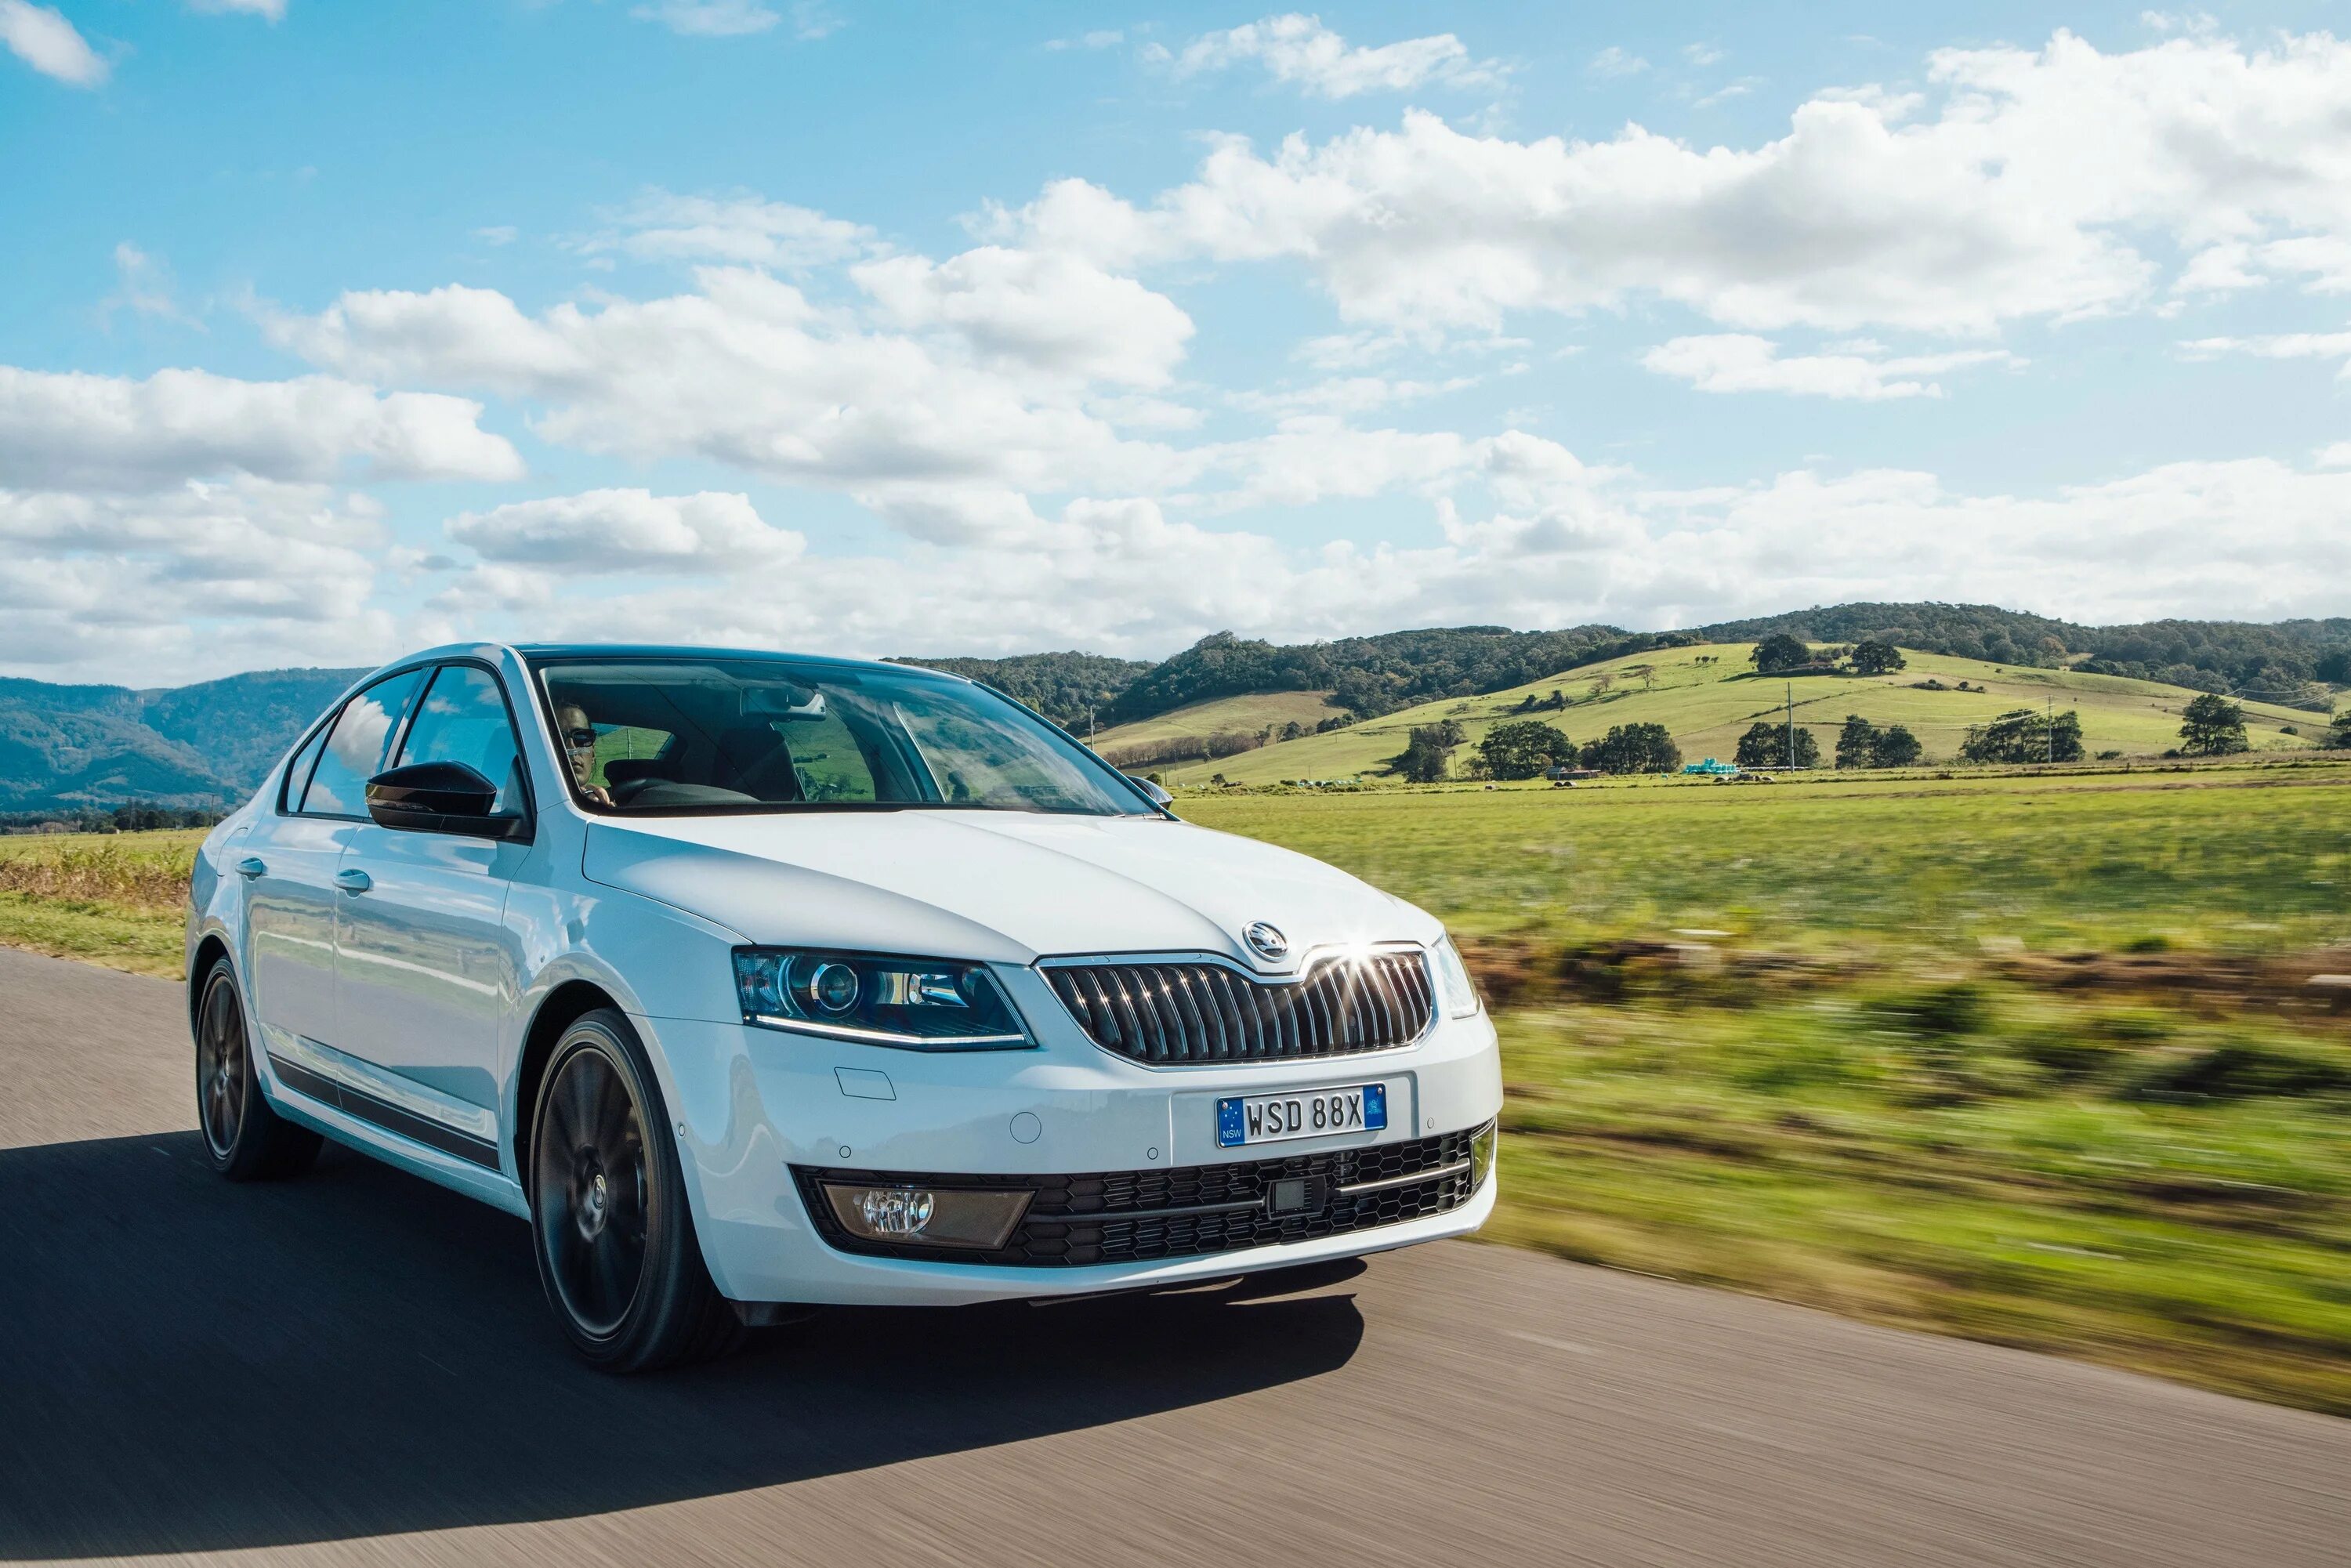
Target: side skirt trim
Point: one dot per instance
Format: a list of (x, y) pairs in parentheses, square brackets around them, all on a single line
[(383, 1114)]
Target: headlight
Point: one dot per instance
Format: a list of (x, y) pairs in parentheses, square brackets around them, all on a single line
[(911, 1003), (1453, 985)]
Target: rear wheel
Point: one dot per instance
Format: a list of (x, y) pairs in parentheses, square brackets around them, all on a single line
[(615, 1243), (246, 1140)]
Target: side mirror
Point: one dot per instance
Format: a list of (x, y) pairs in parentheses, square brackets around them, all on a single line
[(1159, 797), (439, 798)]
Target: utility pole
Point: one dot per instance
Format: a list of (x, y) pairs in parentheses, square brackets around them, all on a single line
[(1792, 727)]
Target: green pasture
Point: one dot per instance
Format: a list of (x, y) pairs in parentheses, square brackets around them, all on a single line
[(1708, 696), (1838, 1043)]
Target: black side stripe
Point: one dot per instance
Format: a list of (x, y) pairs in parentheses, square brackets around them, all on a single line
[(391, 1118)]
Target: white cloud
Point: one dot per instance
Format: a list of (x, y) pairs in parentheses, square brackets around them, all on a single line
[(627, 530), (1299, 51), (710, 18), (1345, 395), (742, 229), (498, 234), (2026, 192), (269, 10), (1737, 363), (1557, 542), (45, 41), (142, 285), (748, 373), (2278, 346), (112, 434), (248, 570), (1703, 55), (1100, 38), (1049, 311), (1613, 61)]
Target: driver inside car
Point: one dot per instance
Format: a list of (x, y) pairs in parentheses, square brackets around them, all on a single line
[(579, 750)]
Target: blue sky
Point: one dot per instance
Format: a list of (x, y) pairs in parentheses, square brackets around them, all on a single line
[(330, 329)]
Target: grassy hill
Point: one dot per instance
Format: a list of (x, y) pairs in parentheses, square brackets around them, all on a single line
[(1708, 706), (1247, 714)]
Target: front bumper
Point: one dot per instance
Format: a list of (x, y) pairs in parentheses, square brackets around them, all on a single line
[(753, 1104)]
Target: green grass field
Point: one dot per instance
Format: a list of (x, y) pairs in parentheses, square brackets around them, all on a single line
[(2034, 1059), (117, 899), (1708, 706)]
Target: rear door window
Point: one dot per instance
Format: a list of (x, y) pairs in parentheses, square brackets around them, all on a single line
[(356, 745)]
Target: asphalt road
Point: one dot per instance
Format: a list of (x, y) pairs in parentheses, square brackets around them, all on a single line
[(357, 1366)]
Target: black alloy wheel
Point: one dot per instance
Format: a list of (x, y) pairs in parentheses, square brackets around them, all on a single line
[(592, 1163), (614, 1239), (246, 1140)]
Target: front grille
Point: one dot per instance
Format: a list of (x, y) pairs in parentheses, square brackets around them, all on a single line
[(1132, 1216), (1177, 1013)]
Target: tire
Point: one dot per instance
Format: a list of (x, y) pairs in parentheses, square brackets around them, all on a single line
[(610, 1228), (245, 1138)]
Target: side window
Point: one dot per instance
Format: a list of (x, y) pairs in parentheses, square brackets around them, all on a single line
[(298, 773), (355, 747), (462, 718)]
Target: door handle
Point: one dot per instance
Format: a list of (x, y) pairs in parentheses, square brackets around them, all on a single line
[(252, 866), (353, 881)]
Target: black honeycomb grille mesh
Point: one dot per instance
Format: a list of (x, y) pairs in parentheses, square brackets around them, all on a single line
[(1119, 1216), (1177, 1013)]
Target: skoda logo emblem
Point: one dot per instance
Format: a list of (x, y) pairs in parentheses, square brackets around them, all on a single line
[(1267, 941)]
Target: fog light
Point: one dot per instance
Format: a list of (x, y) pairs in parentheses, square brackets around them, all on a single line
[(1483, 1147), (896, 1213), (936, 1216)]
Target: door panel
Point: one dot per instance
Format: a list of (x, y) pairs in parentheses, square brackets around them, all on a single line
[(289, 923), (427, 971), (426, 968)]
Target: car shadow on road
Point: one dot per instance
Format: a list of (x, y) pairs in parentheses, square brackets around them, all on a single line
[(190, 1366)]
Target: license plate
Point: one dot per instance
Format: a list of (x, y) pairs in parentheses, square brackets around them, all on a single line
[(1317, 1113)]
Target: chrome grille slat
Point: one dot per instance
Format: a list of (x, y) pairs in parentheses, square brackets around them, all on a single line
[(1183, 1011)]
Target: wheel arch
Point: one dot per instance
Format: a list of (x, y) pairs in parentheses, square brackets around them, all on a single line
[(562, 1006), (210, 950)]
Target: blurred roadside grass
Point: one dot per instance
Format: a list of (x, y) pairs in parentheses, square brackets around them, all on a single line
[(2031, 1059), (117, 899)]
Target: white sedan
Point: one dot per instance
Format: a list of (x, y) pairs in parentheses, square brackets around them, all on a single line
[(755, 981)]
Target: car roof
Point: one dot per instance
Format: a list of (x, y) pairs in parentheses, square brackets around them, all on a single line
[(538, 651)]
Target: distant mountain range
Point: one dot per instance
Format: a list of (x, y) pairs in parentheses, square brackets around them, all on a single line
[(74, 747), (63, 748)]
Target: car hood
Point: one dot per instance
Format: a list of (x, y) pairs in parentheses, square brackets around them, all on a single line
[(999, 885)]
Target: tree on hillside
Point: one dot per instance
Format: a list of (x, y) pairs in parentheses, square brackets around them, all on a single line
[(2022, 735), (1765, 745), (2338, 734), (1873, 657), (1780, 652), (1423, 760), (1634, 748), (2213, 727), (1524, 748), (2334, 667), (1856, 744), (1646, 675), (1602, 683), (1897, 747)]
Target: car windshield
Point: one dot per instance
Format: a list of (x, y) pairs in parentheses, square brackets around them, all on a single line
[(683, 734)]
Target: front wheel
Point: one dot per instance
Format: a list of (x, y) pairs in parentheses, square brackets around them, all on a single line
[(247, 1140), (615, 1243)]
